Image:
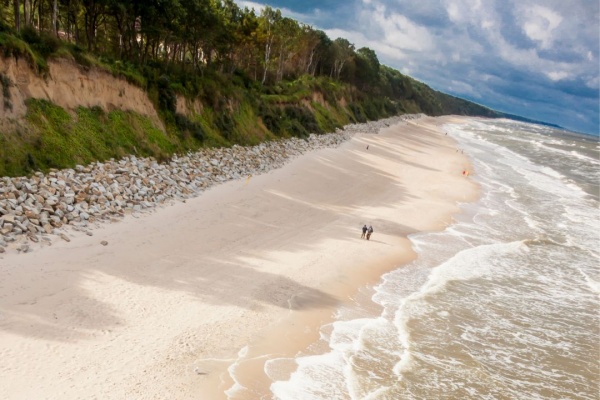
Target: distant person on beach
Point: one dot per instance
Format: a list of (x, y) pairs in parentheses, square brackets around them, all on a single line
[(369, 232), (364, 230)]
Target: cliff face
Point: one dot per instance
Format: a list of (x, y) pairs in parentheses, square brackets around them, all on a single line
[(68, 86)]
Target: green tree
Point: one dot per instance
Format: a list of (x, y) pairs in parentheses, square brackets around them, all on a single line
[(287, 32), (268, 20), (366, 69), (342, 51)]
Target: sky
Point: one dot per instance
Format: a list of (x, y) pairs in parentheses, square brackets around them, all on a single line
[(535, 58)]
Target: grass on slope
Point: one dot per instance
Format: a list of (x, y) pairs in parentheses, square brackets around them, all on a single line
[(58, 139)]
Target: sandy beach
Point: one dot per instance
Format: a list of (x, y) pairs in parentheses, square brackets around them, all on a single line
[(247, 271)]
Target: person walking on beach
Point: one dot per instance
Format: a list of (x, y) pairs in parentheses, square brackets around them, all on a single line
[(369, 232), (364, 230)]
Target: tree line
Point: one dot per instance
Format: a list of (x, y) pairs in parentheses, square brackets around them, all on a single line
[(195, 36)]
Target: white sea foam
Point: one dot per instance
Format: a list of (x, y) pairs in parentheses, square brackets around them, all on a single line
[(501, 302), (401, 321), (569, 153), (467, 264), (236, 388), (552, 173), (592, 284), (317, 377)]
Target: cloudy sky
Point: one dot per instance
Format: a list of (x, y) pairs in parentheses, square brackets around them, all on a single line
[(535, 58)]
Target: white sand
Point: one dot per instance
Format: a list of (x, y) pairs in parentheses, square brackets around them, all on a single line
[(166, 306)]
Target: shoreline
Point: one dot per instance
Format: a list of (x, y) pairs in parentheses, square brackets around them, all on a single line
[(297, 332), (177, 290)]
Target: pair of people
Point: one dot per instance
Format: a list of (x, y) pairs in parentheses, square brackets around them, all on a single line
[(366, 232)]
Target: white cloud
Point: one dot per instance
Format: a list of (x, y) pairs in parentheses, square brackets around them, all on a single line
[(463, 87), (300, 17), (251, 5), (539, 24), (389, 33), (354, 37), (488, 23), (480, 30), (454, 13), (403, 33), (392, 34), (359, 40), (530, 60), (593, 82), (558, 75), (464, 11)]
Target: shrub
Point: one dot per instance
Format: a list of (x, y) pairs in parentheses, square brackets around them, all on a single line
[(44, 43), (185, 125), (6, 84), (370, 110), (167, 100), (304, 116), (226, 125), (12, 46), (357, 113), (271, 117), (4, 27), (81, 56)]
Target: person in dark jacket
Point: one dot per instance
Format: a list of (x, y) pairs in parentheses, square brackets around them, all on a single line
[(364, 230), (369, 232)]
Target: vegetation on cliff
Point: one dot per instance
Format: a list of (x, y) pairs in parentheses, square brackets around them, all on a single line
[(256, 78)]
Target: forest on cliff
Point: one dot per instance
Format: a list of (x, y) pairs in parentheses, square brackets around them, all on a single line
[(256, 76)]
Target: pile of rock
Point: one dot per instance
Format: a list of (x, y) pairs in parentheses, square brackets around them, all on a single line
[(32, 209)]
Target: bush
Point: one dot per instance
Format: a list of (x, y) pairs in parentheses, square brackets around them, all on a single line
[(271, 117), (4, 27), (295, 128), (370, 109), (391, 108), (13, 46), (167, 101), (185, 125), (6, 84), (357, 113), (304, 117), (44, 43), (81, 56), (226, 125)]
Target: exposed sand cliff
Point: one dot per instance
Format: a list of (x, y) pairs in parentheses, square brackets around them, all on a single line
[(69, 86)]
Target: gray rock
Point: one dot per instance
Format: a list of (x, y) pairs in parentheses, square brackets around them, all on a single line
[(103, 191)]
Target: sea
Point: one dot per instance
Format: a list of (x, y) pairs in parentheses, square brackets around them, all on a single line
[(502, 304)]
